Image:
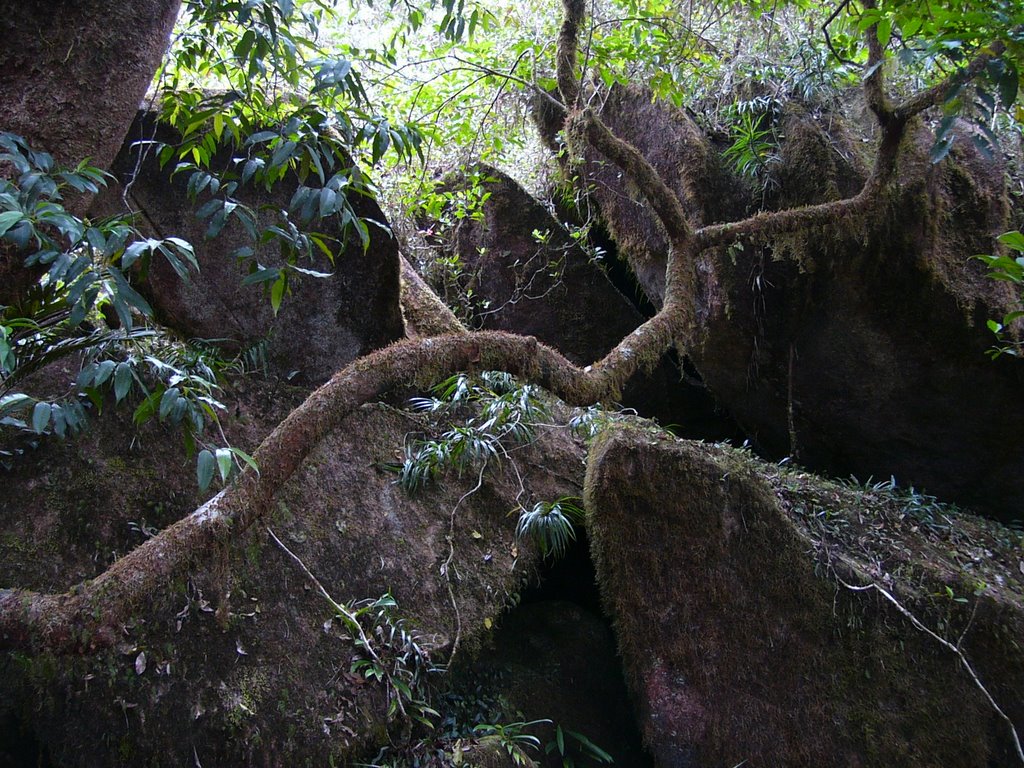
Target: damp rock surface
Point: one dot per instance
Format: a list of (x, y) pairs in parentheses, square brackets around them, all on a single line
[(726, 579)]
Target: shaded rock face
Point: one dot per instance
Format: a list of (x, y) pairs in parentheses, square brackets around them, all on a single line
[(858, 348), (324, 323), (740, 643), (550, 288), (536, 279), (864, 351), (71, 507), (242, 663), (556, 660)]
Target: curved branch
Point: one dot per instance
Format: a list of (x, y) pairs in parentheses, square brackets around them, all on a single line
[(628, 158), (90, 615), (828, 38), (770, 223)]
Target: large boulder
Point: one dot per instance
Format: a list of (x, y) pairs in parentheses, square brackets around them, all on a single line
[(529, 276), (859, 347), (323, 324), (737, 593), (245, 662), (676, 146)]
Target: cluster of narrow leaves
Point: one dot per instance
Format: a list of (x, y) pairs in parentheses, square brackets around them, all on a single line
[(390, 652), (85, 262), (551, 524), (496, 409)]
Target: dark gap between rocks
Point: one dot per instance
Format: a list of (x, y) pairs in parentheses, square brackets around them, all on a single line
[(554, 657), (19, 748)]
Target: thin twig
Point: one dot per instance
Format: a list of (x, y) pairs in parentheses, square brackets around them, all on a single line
[(446, 565), (949, 646), (828, 39), (351, 621)]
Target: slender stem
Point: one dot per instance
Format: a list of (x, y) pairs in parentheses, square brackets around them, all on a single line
[(964, 661)]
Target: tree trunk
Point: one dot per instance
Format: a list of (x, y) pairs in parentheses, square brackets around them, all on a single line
[(73, 74)]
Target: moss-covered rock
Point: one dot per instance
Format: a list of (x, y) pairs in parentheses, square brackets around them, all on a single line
[(243, 663), (730, 585), (529, 275), (323, 324), (857, 347)]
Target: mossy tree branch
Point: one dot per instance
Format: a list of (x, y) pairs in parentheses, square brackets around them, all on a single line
[(940, 92), (90, 616)]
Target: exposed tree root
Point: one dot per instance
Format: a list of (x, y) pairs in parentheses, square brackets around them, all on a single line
[(90, 615)]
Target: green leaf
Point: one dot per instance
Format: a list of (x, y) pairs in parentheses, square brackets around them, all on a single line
[(13, 403), (60, 425), (224, 463), (103, 372), (168, 401), (262, 275), (941, 148), (911, 26), (8, 219), (41, 417), (205, 465), (283, 153), (328, 202), (129, 294), (261, 136), (122, 381), (1014, 240), (250, 168), (277, 292), (249, 460), (146, 409), (136, 250)]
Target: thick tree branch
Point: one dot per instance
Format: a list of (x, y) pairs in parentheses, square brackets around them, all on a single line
[(428, 315), (661, 197), (565, 56), (874, 76), (938, 93), (91, 615)]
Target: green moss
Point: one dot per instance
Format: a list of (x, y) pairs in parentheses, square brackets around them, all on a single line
[(748, 607)]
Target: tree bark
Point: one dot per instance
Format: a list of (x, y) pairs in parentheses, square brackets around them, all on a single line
[(73, 74)]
